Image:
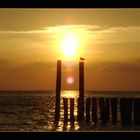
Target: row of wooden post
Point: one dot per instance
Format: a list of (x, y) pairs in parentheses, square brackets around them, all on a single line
[(128, 107), (65, 104), (126, 104)]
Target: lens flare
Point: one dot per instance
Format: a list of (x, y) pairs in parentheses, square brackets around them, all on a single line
[(70, 80)]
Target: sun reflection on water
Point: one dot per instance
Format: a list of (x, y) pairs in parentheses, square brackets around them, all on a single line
[(69, 94), (68, 126)]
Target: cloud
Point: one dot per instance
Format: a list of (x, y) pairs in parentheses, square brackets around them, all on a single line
[(100, 34), (63, 28), (53, 29), (115, 66), (6, 66)]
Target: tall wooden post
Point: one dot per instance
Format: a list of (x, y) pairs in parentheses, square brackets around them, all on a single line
[(81, 91), (58, 90)]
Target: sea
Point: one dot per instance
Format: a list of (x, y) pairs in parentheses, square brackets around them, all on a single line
[(33, 111)]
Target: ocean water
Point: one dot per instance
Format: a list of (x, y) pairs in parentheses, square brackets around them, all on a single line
[(34, 111)]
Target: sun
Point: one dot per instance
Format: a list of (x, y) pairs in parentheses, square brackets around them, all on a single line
[(69, 45)]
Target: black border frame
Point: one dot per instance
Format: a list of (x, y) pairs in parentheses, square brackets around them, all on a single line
[(69, 4)]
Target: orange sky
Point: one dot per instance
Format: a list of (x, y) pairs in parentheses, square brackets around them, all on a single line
[(31, 42)]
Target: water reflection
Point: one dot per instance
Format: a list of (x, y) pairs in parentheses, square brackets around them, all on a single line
[(69, 94), (35, 112), (68, 125)]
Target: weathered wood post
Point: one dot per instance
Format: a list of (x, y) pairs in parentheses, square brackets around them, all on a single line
[(94, 110), (136, 111), (129, 111), (78, 110), (114, 110), (102, 109), (107, 109), (58, 91), (65, 102), (123, 111), (126, 111), (81, 91), (88, 102), (72, 110)]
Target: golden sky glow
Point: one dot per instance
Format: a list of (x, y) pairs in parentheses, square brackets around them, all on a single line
[(31, 40)]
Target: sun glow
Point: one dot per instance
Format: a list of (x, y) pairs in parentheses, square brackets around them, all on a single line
[(69, 45)]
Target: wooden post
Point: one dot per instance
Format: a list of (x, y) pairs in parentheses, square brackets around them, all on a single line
[(129, 111), (78, 110), (114, 110), (88, 102), (126, 111), (123, 111), (102, 109), (58, 90), (65, 102), (137, 111), (81, 91), (71, 110), (94, 110), (107, 109)]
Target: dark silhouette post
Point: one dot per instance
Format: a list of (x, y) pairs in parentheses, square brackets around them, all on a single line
[(123, 111), (102, 109), (72, 110), (94, 110), (65, 102), (126, 111), (136, 111), (129, 111), (58, 90), (78, 110), (81, 91), (88, 103), (107, 109), (114, 110)]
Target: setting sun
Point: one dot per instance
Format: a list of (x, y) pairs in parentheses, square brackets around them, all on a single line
[(69, 45)]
